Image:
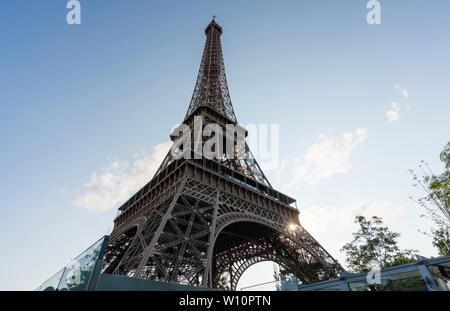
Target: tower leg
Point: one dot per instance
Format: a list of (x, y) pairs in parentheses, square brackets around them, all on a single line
[(208, 279), (149, 249)]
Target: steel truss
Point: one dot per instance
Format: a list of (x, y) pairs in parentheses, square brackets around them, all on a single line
[(211, 88), (198, 218), (185, 239)]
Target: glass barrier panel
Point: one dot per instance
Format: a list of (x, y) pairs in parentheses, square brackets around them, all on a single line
[(334, 288), (441, 275), (290, 284), (77, 274), (406, 281), (358, 286), (52, 283)]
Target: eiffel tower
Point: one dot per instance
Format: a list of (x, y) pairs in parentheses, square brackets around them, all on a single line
[(198, 218)]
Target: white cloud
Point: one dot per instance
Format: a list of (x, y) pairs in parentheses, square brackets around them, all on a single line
[(119, 181), (329, 218), (402, 90), (327, 157), (333, 225), (393, 113)]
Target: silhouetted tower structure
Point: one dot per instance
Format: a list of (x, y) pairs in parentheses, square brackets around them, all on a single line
[(199, 218)]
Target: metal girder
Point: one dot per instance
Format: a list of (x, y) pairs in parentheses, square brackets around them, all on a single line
[(185, 243), (211, 88), (197, 219)]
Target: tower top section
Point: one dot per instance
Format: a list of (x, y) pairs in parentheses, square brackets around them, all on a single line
[(213, 26), (211, 88)]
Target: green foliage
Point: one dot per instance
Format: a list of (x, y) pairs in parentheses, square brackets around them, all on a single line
[(406, 284), (402, 258), (436, 202), (374, 245), (290, 272), (222, 282), (441, 240)]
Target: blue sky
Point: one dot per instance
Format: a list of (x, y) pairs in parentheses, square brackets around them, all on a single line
[(98, 97)]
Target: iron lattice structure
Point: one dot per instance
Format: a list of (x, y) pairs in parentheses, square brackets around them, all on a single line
[(199, 218), (211, 88)]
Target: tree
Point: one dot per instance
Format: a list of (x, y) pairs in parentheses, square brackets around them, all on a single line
[(222, 282), (436, 202), (374, 245)]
